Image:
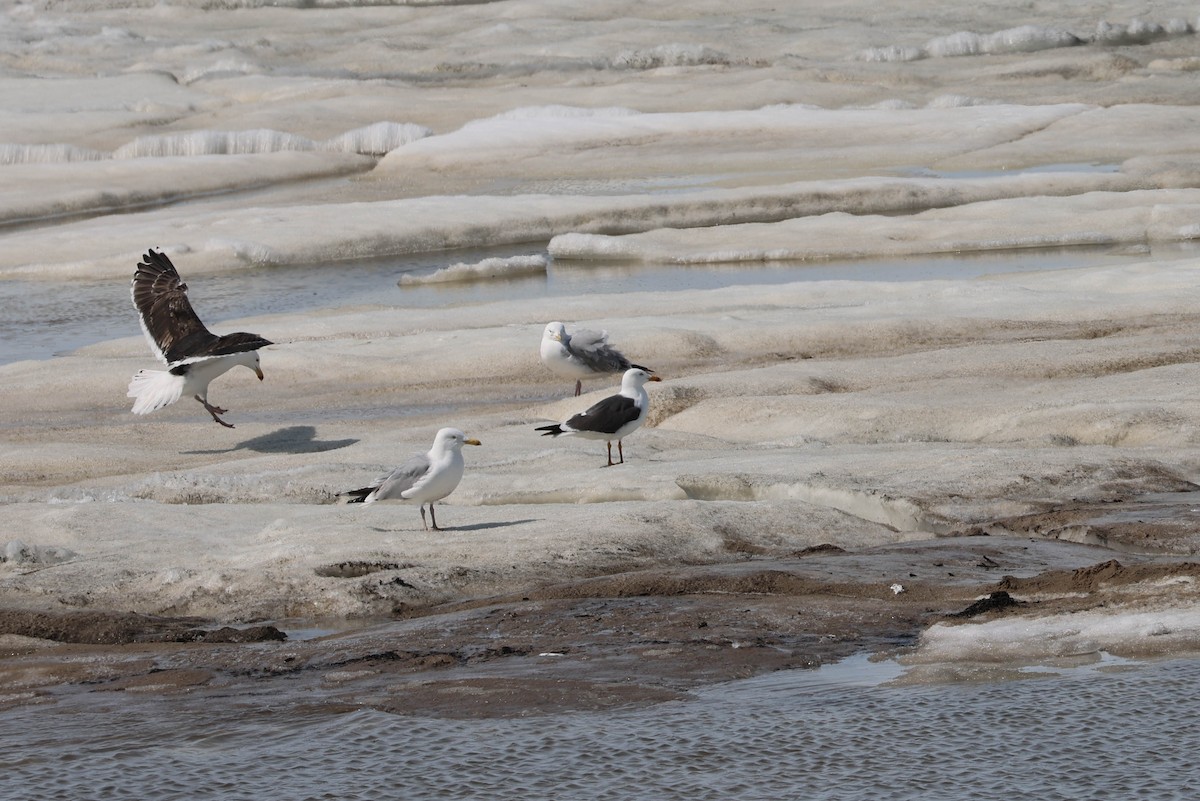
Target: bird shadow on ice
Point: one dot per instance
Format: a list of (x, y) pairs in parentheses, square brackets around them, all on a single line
[(472, 527), (293, 439)]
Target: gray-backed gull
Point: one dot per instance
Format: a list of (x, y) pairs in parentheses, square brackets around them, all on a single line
[(581, 354), (425, 478)]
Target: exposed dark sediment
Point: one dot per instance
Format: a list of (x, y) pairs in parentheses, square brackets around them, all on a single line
[(608, 641)]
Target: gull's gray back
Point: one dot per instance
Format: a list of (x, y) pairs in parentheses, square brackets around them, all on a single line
[(592, 348), (403, 477)]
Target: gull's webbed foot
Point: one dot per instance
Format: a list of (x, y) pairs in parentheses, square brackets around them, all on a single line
[(215, 411)]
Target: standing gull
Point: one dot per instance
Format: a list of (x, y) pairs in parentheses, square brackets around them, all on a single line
[(615, 417), (194, 355), (425, 478), (581, 354)]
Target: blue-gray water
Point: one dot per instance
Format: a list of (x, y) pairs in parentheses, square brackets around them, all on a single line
[(836, 733), (43, 318)]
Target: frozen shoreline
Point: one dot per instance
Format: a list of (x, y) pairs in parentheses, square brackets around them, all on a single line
[(825, 413), (877, 413)]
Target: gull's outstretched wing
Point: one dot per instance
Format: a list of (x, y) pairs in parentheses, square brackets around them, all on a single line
[(168, 320)]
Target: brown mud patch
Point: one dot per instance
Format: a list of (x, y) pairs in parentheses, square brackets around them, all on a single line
[(1162, 523), (1110, 574), (114, 628), (598, 643)]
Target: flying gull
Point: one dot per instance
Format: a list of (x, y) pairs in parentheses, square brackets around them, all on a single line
[(194, 355), (425, 478), (615, 417), (581, 354)]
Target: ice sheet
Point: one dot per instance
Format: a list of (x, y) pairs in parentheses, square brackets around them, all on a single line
[(853, 413)]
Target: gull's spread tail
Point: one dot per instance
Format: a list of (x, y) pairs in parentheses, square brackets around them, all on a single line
[(154, 389)]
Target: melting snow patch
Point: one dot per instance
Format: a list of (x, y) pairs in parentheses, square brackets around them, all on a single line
[(46, 154), (209, 143), (1038, 639), (377, 139), (668, 55), (1028, 39), (901, 514), (483, 270), (18, 553), (1025, 39)]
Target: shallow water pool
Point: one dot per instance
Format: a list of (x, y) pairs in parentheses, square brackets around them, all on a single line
[(42, 320), (842, 732)]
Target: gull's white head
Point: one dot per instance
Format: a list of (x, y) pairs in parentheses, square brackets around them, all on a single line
[(249, 359), (556, 331), (636, 377), (452, 439)]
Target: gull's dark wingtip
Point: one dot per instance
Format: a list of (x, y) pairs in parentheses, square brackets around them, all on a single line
[(357, 495)]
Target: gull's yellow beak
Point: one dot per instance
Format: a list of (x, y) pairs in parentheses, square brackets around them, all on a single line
[(655, 378), (258, 372), (471, 442)]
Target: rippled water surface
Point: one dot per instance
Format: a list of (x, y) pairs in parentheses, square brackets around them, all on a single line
[(43, 318), (834, 733)]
